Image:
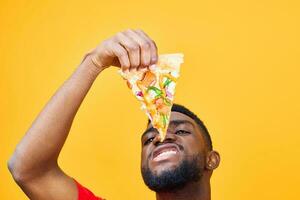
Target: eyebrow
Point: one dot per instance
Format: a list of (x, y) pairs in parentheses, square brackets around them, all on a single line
[(172, 123)]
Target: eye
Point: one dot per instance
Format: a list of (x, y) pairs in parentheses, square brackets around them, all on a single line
[(148, 140), (182, 132)]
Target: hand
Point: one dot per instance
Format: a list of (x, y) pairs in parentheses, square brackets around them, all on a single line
[(129, 50)]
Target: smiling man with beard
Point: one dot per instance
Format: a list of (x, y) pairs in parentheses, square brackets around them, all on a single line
[(180, 167), (177, 168)]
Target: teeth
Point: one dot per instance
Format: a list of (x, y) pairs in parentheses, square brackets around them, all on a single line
[(165, 154)]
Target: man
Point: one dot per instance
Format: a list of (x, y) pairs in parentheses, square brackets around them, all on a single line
[(180, 167)]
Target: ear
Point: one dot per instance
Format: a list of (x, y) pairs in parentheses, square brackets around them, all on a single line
[(212, 160)]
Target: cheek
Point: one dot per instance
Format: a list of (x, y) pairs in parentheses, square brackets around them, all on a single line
[(193, 147)]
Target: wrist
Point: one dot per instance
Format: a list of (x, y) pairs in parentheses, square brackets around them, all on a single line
[(93, 67)]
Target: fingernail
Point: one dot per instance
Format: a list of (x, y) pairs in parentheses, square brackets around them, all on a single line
[(152, 67), (154, 60)]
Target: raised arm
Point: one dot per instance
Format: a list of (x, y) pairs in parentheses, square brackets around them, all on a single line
[(34, 162)]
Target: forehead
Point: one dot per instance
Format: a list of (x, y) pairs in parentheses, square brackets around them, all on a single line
[(177, 116)]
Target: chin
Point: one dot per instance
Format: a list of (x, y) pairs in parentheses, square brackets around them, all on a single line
[(163, 167), (169, 174)]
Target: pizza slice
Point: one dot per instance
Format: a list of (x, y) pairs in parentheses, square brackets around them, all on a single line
[(155, 89)]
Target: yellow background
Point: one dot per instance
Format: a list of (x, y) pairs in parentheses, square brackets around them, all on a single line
[(241, 76)]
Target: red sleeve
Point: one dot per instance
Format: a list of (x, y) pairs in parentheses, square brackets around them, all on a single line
[(85, 194)]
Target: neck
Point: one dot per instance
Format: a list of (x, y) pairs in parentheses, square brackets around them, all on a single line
[(192, 191)]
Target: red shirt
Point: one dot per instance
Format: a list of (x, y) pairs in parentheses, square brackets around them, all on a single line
[(85, 194)]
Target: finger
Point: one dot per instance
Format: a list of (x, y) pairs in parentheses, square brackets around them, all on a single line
[(132, 48), (122, 55), (154, 54), (144, 46)]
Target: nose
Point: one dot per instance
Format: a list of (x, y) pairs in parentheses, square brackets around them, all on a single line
[(168, 139)]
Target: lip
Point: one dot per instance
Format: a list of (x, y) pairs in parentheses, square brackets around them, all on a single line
[(164, 147)]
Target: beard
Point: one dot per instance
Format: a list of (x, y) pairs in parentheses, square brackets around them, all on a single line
[(170, 180)]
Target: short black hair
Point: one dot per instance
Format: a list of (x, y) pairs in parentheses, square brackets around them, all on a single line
[(186, 111)]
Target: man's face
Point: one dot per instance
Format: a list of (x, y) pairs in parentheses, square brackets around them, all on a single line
[(182, 150)]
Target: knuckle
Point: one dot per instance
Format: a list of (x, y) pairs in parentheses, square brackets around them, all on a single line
[(104, 42), (139, 30), (153, 44), (118, 36), (145, 45), (121, 54), (108, 43), (128, 30), (133, 47), (103, 47)]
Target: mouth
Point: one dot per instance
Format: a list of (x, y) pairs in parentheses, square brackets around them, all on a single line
[(165, 151)]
